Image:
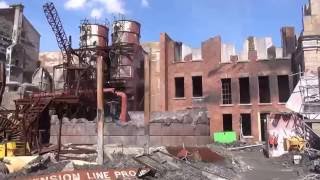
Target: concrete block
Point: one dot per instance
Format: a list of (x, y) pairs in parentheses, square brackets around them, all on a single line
[(179, 140), (126, 140), (177, 129), (79, 129), (74, 139), (116, 130), (89, 129)]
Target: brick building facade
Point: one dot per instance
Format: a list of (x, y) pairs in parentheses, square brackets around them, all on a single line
[(238, 90)]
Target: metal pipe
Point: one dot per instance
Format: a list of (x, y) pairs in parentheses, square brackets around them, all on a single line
[(106, 90), (124, 99)]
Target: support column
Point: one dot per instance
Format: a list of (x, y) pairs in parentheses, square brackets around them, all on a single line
[(147, 98), (100, 109)]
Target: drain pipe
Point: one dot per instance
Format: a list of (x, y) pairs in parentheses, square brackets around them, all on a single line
[(124, 102)]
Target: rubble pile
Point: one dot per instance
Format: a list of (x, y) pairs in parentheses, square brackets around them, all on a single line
[(168, 166)]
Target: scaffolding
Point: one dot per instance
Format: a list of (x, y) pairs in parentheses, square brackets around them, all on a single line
[(309, 100)]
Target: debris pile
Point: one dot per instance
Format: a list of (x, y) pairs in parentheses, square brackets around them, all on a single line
[(162, 163)]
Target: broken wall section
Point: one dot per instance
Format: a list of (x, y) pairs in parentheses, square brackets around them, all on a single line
[(263, 46)]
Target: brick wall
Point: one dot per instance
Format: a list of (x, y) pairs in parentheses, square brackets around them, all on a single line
[(212, 71)]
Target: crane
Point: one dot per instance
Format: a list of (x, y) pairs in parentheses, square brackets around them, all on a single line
[(54, 20)]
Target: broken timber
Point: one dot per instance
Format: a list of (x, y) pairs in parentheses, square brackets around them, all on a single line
[(244, 147)]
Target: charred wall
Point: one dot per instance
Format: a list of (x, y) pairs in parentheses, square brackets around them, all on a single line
[(26, 53)]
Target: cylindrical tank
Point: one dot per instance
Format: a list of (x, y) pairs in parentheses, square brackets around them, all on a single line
[(126, 31), (93, 35)]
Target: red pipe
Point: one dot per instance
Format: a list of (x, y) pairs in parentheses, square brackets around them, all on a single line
[(124, 99)]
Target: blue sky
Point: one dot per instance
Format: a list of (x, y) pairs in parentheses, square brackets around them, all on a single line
[(189, 21)]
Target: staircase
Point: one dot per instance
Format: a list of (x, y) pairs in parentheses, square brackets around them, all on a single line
[(310, 108), (28, 112)]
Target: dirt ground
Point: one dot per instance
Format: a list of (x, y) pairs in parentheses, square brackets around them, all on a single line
[(262, 168)]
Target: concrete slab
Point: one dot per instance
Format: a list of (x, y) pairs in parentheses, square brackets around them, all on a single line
[(178, 129), (89, 129), (179, 140), (136, 140)]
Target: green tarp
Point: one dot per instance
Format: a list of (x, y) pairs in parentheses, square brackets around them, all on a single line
[(224, 137)]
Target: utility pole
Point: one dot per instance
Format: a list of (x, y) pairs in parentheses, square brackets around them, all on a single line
[(100, 109)]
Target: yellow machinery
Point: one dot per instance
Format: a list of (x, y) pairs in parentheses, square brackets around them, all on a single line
[(9, 147), (295, 143)]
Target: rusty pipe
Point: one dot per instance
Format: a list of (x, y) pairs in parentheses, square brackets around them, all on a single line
[(106, 90), (124, 101)]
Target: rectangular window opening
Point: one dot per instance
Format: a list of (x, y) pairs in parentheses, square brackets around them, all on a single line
[(178, 51), (283, 87), (264, 89), (246, 124), (244, 85), (179, 86), (197, 86), (227, 122), (226, 91)]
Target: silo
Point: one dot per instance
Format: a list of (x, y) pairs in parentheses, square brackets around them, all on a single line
[(93, 35), (126, 32), (126, 37)]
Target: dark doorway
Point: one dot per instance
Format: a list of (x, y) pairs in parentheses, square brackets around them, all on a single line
[(283, 87), (179, 86), (264, 89), (244, 90), (197, 86), (227, 122), (246, 124), (263, 123)]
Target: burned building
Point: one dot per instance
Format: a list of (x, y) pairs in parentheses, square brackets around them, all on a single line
[(25, 44), (306, 57), (19, 49), (238, 90)]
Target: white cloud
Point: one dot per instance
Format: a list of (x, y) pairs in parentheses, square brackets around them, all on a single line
[(97, 7), (144, 3), (3, 4), (114, 6), (96, 13), (75, 4)]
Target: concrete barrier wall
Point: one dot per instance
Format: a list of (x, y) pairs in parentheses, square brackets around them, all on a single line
[(136, 140), (174, 134)]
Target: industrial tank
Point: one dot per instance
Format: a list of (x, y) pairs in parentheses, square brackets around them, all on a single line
[(93, 35), (126, 31), (125, 36)]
